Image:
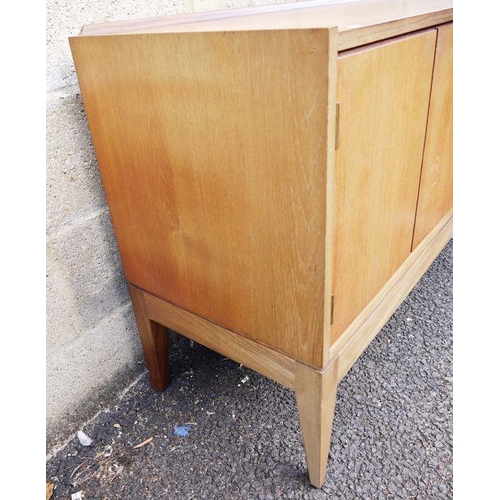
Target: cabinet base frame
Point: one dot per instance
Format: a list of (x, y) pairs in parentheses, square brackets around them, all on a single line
[(315, 389), (357, 336)]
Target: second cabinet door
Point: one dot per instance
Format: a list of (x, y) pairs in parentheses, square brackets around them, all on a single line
[(383, 91), (435, 199)]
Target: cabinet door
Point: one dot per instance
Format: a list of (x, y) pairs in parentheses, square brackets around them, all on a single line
[(436, 186), (383, 91)]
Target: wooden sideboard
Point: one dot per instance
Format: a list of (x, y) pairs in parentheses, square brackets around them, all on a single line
[(278, 178)]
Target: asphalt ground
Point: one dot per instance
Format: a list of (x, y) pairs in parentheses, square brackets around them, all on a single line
[(221, 431)]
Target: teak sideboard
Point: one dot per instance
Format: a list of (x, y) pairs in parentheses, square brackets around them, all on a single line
[(278, 178)]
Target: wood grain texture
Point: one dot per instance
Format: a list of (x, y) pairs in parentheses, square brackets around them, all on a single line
[(329, 186), (363, 330), (154, 339), (236, 214), (436, 184), (383, 92), (316, 393), (213, 154), (358, 22), (363, 35), (255, 356)]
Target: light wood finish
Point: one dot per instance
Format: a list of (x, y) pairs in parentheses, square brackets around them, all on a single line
[(361, 332), (383, 93), (154, 339), (436, 185), (255, 356), (240, 204), (351, 38), (358, 22), (239, 214), (329, 187), (316, 392)]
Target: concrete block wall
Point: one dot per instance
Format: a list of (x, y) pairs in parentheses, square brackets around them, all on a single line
[(93, 351)]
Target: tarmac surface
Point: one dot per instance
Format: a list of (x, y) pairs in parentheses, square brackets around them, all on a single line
[(221, 431)]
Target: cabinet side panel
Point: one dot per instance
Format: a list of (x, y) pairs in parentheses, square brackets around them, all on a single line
[(383, 92), (212, 149), (436, 185)]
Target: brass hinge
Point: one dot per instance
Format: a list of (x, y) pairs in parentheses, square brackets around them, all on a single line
[(337, 121), (331, 310)]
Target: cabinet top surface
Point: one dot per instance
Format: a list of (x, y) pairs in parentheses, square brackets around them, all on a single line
[(347, 16)]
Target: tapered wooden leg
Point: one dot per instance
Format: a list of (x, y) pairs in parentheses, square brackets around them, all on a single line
[(316, 392), (154, 339)]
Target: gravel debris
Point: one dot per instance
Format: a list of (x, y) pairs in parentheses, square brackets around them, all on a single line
[(392, 434)]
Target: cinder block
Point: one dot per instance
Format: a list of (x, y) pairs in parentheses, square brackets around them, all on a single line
[(85, 375), (63, 324), (206, 5), (74, 187), (89, 257)]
